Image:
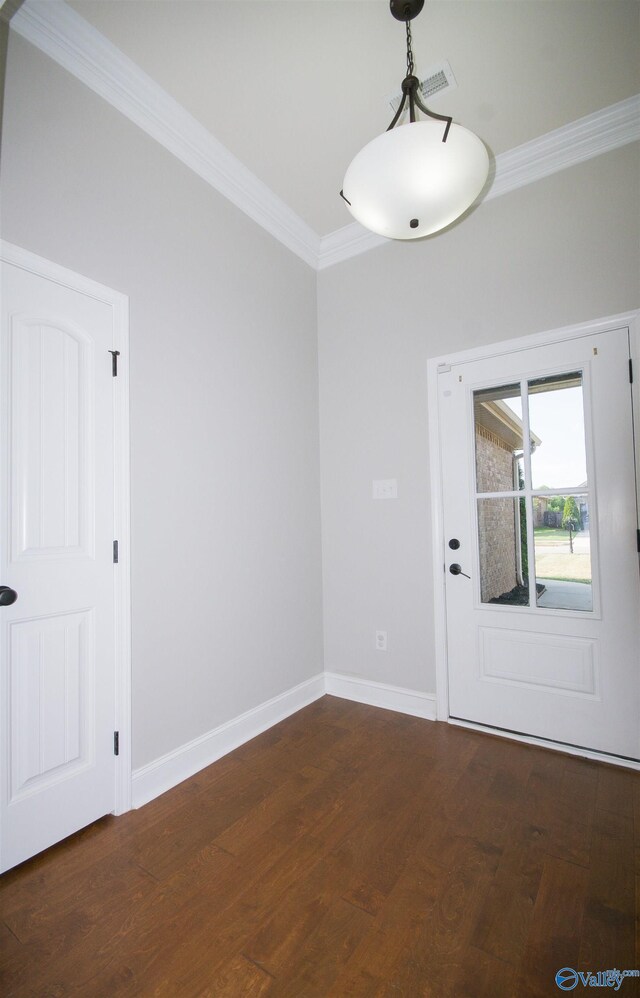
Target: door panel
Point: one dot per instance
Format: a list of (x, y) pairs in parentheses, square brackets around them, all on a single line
[(51, 420), (52, 679), (543, 637), (57, 641), (538, 661)]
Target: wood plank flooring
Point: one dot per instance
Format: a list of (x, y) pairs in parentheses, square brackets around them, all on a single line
[(347, 852)]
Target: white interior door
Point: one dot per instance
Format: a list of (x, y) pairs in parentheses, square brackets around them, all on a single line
[(543, 615), (57, 533)]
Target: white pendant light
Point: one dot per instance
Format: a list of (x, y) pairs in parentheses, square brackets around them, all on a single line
[(418, 178)]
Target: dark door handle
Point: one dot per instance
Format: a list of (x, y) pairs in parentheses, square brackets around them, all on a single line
[(457, 570), (7, 596)]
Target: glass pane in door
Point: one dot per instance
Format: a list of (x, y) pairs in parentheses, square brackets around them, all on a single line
[(498, 439), (502, 537), (563, 553), (556, 419)]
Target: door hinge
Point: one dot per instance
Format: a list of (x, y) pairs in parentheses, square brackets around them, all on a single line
[(115, 552), (114, 362), (630, 370), (116, 743)]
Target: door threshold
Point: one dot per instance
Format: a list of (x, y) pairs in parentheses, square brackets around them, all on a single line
[(518, 736)]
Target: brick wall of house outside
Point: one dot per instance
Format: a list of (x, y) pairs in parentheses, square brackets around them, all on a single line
[(496, 527)]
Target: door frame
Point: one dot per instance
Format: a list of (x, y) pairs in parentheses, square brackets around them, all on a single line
[(630, 319), (119, 304)]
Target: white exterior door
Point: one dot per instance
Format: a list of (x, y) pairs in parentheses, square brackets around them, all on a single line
[(540, 555), (57, 640)]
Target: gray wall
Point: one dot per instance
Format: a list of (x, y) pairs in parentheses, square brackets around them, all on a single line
[(227, 595), (226, 569), (560, 251)]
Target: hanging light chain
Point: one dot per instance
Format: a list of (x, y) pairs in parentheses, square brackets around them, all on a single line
[(411, 84), (409, 50)]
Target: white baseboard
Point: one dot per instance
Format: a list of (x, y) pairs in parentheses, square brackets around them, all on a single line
[(166, 772), (381, 695), (171, 769)]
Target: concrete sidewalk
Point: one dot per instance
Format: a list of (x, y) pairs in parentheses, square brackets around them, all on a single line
[(565, 595)]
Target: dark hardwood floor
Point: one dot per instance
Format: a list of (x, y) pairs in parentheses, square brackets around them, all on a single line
[(348, 851)]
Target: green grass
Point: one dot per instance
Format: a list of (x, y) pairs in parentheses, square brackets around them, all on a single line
[(563, 566), (550, 536)]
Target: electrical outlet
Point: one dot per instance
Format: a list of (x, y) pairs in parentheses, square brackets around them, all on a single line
[(385, 488), (381, 640)]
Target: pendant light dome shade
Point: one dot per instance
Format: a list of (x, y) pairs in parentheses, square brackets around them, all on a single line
[(408, 183)]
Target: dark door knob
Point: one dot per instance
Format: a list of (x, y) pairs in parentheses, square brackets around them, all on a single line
[(457, 570), (7, 596), (454, 543)]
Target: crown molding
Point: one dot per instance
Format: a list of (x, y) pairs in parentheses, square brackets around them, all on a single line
[(8, 9), (351, 240), (580, 140), (58, 31), (586, 138)]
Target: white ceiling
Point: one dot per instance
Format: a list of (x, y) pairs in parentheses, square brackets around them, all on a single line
[(294, 88)]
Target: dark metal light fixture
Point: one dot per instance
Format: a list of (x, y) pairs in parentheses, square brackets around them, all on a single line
[(419, 177)]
